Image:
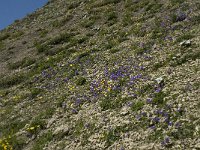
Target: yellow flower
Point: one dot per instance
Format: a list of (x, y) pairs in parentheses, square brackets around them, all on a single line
[(31, 128), (71, 88), (109, 89), (71, 65)]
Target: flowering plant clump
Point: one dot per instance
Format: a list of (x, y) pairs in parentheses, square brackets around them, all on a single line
[(33, 129), (4, 144)]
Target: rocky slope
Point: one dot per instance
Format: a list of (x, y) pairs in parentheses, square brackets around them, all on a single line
[(102, 74)]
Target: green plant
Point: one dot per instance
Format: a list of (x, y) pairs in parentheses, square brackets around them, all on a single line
[(21, 64), (112, 100), (111, 136), (106, 2), (185, 58), (137, 106), (42, 140), (63, 21), (110, 44), (111, 17), (155, 135), (17, 34), (87, 23), (153, 7), (2, 46), (127, 18), (185, 131), (175, 2), (12, 80), (35, 92), (81, 81), (186, 36), (158, 65), (159, 98), (13, 127), (62, 38), (43, 33), (17, 142), (196, 20), (74, 5), (143, 49), (84, 54), (114, 50), (4, 36), (38, 122), (78, 127), (41, 47)]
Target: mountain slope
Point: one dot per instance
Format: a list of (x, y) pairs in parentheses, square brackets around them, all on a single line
[(107, 74)]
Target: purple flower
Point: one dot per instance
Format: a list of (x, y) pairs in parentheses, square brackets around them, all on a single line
[(181, 16), (166, 120), (142, 68), (152, 127), (165, 114), (144, 114), (166, 141), (106, 72), (65, 80), (163, 24), (141, 45), (156, 119), (149, 100), (78, 102), (129, 103), (113, 76), (132, 78), (64, 105), (122, 148), (177, 125), (74, 111), (138, 117), (158, 90), (87, 125), (138, 76), (170, 123)]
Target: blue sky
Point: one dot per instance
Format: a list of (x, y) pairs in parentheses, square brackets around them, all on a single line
[(10, 10)]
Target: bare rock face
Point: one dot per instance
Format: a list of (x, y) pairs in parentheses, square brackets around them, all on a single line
[(186, 43), (181, 17), (61, 130)]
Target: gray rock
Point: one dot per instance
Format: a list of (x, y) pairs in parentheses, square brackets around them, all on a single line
[(181, 16), (197, 145), (61, 130), (124, 111), (186, 43), (159, 80), (50, 122)]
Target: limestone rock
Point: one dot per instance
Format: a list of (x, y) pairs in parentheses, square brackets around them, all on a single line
[(186, 43), (63, 129)]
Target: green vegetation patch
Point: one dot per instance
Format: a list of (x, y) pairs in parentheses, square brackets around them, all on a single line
[(21, 64), (12, 80), (4, 36), (186, 36), (111, 136), (81, 81), (159, 98), (137, 106), (42, 140)]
